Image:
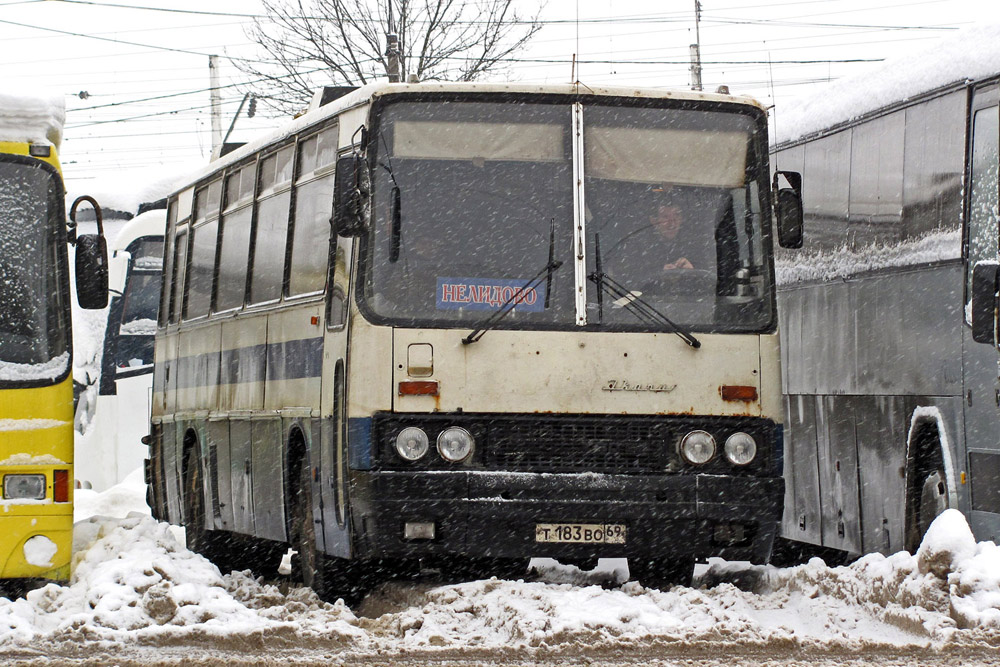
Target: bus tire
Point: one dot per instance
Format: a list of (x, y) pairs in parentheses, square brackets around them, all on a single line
[(200, 540), (661, 573), (926, 485), (313, 567)]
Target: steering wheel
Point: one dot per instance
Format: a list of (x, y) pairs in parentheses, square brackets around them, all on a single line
[(683, 282)]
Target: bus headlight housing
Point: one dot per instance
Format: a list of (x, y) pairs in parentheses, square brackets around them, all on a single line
[(455, 444), (740, 449), (698, 447), (24, 487), (412, 443)]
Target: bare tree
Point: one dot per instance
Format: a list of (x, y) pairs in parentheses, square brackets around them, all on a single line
[(309, 43)]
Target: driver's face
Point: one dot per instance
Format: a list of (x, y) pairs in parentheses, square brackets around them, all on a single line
[(667, 221)]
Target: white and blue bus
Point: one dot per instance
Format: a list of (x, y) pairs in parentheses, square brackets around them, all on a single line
[(541, 322)]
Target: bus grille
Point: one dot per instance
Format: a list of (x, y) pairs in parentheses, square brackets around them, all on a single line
[(606, 446)]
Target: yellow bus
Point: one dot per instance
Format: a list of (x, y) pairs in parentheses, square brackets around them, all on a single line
[(36, 387)]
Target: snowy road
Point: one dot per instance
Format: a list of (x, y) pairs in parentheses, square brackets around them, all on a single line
[(139, 597)]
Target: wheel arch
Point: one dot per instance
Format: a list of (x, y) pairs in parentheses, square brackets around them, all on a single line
[(928, 436)]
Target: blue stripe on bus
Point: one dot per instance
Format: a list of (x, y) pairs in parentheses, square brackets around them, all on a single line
[(290, 360), (359, 443)]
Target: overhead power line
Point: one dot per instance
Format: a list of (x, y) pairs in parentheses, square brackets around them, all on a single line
[(123, 41), (664, 17)]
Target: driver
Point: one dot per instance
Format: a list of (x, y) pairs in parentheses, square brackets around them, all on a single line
[(668, 222)]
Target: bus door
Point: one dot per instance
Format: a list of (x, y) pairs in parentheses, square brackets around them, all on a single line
[(982, 361), (333, 457)]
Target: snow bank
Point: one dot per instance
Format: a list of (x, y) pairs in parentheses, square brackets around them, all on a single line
[(951, 584), (971, 53), (33, 118), (136, 585)]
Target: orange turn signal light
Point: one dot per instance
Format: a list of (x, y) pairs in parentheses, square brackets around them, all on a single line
[(418, 388), (60, 486), (732, 392)]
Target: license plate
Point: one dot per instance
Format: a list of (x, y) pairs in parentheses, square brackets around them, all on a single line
[(586, 533)]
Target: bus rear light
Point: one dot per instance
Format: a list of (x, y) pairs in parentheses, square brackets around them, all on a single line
[(418, 388), (732, 392), (60, 486), (24, 487)]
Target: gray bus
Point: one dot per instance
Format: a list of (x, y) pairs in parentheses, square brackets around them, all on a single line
[(887, 314)]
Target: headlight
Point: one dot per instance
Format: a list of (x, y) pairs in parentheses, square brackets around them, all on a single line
[(455, 444), (740, 449), (698, 447), (24, 487), (411, 443)]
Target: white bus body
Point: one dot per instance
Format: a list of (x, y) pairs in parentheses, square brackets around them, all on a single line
[(366, 396), (113, 419)]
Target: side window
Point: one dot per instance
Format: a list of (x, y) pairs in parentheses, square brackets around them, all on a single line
[(983, 199), (235, 238), (935, 165), (205, 233), (166, 275), (273, 200), (177, 274), (825, 190), (877, 182), (313, 208)]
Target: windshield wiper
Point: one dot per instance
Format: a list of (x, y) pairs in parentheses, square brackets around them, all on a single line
[(631, 301), (507, 306)]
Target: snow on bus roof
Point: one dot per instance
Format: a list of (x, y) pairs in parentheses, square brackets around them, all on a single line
[(969, 54), (34, 118)]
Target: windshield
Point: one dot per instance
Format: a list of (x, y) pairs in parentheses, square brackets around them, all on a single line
[(33, 307), (472, 200), (140, 302)]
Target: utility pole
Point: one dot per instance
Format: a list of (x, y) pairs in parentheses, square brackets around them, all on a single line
[(392, 50), (696, 49), (215, 96)]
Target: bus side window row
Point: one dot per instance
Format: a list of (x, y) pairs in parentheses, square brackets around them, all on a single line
[(886, 181), (248, 243)]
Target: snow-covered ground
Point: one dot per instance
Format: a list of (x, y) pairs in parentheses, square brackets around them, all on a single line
[(136, 588)]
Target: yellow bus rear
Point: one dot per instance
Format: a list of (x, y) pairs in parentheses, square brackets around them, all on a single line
[(36, 390)]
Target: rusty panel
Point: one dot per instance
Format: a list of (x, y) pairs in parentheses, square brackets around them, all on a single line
[(838, 473), (803, 502), (882, 426)]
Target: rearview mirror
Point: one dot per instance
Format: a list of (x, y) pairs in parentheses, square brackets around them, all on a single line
[(351, 196), (788, 212), (788, 209), (984, 302), (91, 259)]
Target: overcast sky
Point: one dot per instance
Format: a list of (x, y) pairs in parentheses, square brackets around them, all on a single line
[(113, 134)]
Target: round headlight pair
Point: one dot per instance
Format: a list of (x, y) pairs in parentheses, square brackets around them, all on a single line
[(698, 448), (454, 444)]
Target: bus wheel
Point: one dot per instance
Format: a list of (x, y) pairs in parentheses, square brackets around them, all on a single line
[(929, 500), (312, 564), (199, 539), (661, 573), (926, 487)]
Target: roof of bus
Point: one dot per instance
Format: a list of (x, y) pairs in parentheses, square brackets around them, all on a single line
[(148, 223), (970, 54), (36, 119), (370, 92)]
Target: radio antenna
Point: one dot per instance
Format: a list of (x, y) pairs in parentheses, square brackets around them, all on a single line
[(576, 74)]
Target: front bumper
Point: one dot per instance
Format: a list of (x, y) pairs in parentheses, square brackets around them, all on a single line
[(480, 513)]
